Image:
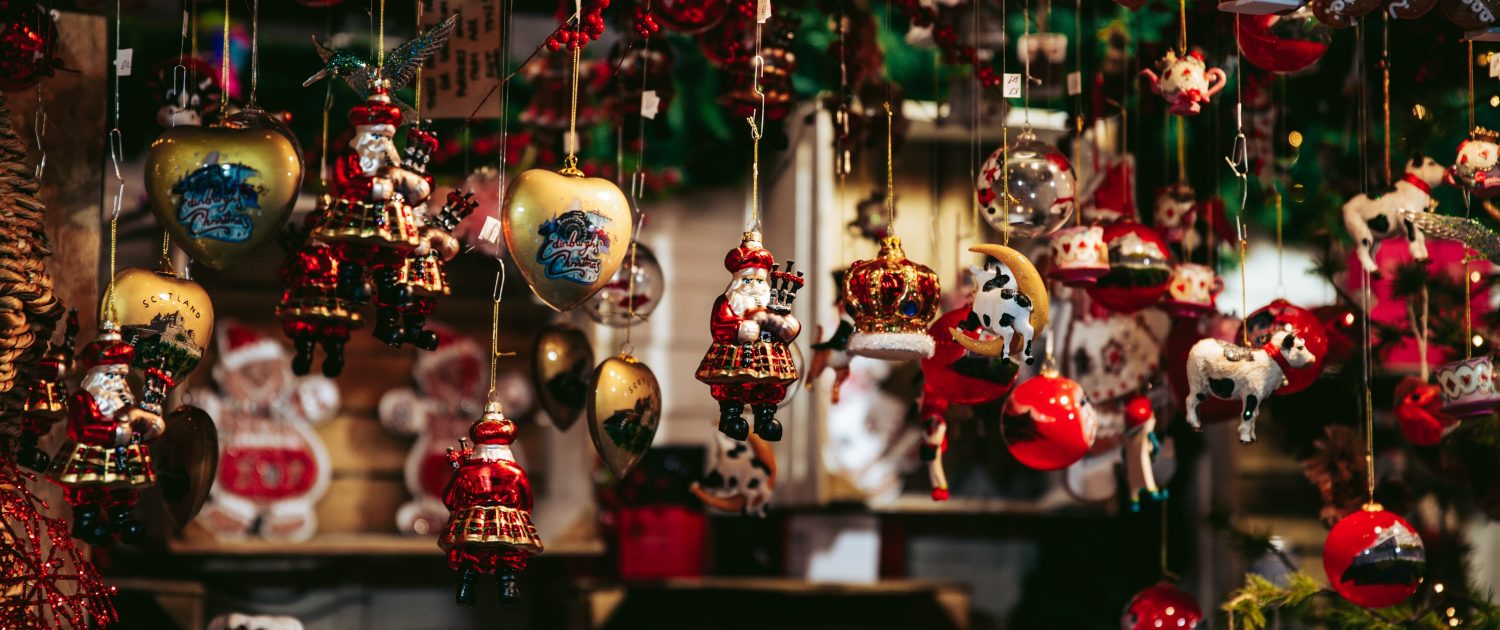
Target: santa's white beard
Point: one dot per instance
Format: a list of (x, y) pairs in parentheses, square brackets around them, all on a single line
[(742, 299), (374, 151), (107, 386)]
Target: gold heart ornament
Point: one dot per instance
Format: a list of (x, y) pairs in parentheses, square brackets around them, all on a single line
[(560, 365), (224, 191), (567, 233), (624, 410), (169, 320)]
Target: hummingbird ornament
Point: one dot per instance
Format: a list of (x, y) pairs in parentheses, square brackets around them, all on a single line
[(398, 70)]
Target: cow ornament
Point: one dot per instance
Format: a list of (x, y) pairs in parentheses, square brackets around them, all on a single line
[(1374, 219), (742, 479), (1010, 302), (1230, 371)]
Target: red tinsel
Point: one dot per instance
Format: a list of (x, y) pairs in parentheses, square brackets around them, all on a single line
[(45, 582)]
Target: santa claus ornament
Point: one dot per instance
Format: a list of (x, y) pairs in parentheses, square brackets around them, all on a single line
[(1163, 606), (311, 311), (273, 468), (1048, 422), (1477, 168), (1141, 446), (47, 399), (1374, 558), (1010, 302), (749, 362), (1186, 82)]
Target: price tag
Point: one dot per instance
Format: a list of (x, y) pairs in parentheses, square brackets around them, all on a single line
[(762, 11), (1075, 84), (490, 233), (1494, 66), (1012, 85), (124, 59), (650, 103)]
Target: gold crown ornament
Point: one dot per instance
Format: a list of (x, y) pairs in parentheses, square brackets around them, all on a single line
[(892, 300), (1484, 135)]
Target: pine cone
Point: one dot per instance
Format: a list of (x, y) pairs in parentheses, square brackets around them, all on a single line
[(1338, 471)]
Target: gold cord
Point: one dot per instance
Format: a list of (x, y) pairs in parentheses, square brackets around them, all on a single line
[(109, 290), (416, 100), (1182, 10), (1369, 410), (1005, 184), (570, 165), (224, 62), (1244, 281), (890, 170), (1470, 63), (1468, 317), (380, 41), (1385, 83), (1164, 570), (754, 174), (1181, 151), (166, 245), (1280, 244), (494, 342)]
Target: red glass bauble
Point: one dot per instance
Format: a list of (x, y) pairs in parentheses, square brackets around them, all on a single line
[(1283, 315), (961, 377), (1162, 606), (1374, 558), (1140, 269), (1048, 422), (1283, 43), (690, 16), (28, 44)]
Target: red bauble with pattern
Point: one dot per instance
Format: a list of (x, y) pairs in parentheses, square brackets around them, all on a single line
[(958, 376), (1140, 268), (1283, 315), (1048, 423), (1163, 606), (1283, 43), (1374, 558)]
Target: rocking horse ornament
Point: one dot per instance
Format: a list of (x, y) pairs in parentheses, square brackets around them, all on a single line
[(1374, 219), (1185, 82)]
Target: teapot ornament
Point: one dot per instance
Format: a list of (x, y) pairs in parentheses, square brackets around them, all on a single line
[(1186, 82)]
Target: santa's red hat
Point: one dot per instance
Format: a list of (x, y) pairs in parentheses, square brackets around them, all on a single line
[(376, 110), (240, 345), (750, 254), (108, 348)]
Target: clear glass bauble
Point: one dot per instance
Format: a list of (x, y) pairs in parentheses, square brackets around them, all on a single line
[(1042, 188), (612, 304)]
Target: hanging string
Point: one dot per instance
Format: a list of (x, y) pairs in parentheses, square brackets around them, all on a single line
[(890, 170), (116, 155), (495, 353), (754, 225), (507, 11), (1239, 164), (254, 49), (1078, 99), (1469, 61), (570, 164), (1004, 144), (1280, 244), (1181, 151), (416, 98), (1166, 572), (1026, 80), (1468, 255), (380, 41), (323, 138), (1369, 410), (1182, 11), (224, 61), (1385, 87)]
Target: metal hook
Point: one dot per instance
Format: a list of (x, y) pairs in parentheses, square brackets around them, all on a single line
[(499, 281), (39, 129), (116, 151)]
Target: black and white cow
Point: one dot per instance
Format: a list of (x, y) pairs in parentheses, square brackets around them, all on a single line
[(1000, 307), (1229, 371), (1370, 220), (742, 477)]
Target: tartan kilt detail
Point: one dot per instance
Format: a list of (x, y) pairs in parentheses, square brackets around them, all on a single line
[(491, 526), (742, 362)]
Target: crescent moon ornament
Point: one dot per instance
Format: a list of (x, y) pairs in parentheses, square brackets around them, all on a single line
[(1010, 301)]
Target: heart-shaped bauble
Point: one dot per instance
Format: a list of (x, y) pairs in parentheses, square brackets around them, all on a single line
[(169, 320), (624, 410), (186, 458), (567, 233), (224, 191), (560, 365)]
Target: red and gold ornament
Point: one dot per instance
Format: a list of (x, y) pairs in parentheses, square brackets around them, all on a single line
[(1283, 315), (1283, 43), (892, 300), (1186, 82), (1374, 558), (1163, 606), (1140, 268), (1048, 422), (47, 400)]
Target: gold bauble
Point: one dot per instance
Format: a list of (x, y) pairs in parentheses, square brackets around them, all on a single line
[(568, 234), (169, 320), (624, 410)]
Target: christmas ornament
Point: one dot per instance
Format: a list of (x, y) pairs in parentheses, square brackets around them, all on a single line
[(45, 580), (742, 478), (1106, 186), (1114, 355), (1048, 422), (770, 70), (892, 300), (1468, 14), (1410, 9), (223, 191), (1078, 255), (1418, 407), (106, 463), (1281, 315), (397, 69), (1033, 195), (690, 16), (186, 460), (933, 411), (1477, 168), (187, 89), (567, 233), (1353, 8), (1179, 342), (624, 406), (1192, 290), (1185, 82), (1370, 221), (169, 320), (561, 362), (1010, 301), (275, 467), (1141, 445), (311, 312), (833, 353), (1283, 43), (1323, 12), (1140, 269), (28, 44), (489, 497), (1468, 386), (1162, 606), (752, 325), (1374, 558), (1231, 371), (636, 288), (1176, 210), (1471, 233), (1258, 7), (47, 401), (958, 375)]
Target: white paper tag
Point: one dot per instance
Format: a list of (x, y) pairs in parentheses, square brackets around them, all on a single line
[(1494, 66), (762, 11), (1075, 83), (650, 103), (1012, 85), (490, 233), (124, 58)]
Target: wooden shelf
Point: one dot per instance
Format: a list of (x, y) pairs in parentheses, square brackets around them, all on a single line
[(370, 544)]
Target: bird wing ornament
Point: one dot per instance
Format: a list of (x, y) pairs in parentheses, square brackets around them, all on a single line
[(1467, 231), (399, 69)]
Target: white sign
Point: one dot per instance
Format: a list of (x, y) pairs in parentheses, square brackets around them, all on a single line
[(457, 77), (1012, 85), (124, 59)]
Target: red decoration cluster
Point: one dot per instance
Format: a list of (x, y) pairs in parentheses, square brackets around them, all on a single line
[(946, 36), (590, 26), (44, 578), (645, 23)]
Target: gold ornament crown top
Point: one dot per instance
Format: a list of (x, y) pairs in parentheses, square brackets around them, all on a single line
[(1484, 135), (890, 294)]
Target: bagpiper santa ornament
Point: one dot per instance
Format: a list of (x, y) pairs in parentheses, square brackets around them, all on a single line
[(489, 498), (47, 399), (311, 312), (105, 463), (749, 362)]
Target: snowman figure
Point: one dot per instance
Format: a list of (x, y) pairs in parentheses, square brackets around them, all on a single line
[(450, 390), (273, 468)]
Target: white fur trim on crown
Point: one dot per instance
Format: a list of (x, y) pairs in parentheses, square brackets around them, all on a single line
[(263, 350), (892, 346)]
